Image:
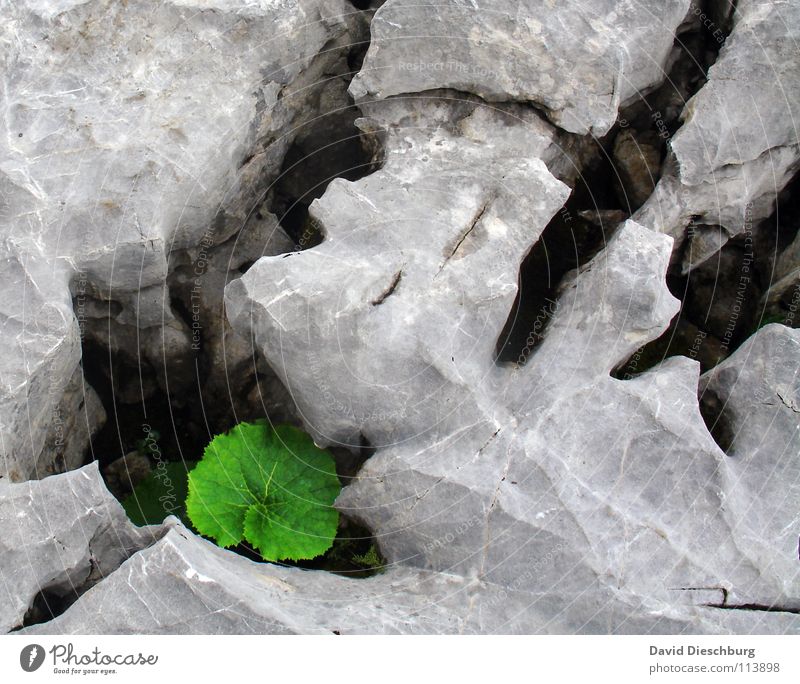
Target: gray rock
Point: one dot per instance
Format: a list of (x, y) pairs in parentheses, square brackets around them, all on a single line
[(40, 353), (579, 61), (481, 197), (648, 510), (542, 496), (75, 421), (756, 393), (738, 145), (483, 470), (130, 134), (227, 374), (540, 516), (61, 534), (185, 585)]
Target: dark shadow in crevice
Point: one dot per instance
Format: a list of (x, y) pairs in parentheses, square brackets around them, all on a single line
[(696, 50), (180, 431), (648, 121), (572, 238), (329, 147), (760, 607), (367, 4), (722, 299), (712, 409), (47, 605), (350, 460)]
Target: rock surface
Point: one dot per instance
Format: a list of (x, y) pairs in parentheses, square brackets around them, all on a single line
[(532, 497), (185, 585), (481, 196), (739, 145), (130, 134), (519, 522), (783, 293), (75, 421), (757, 398), (577, 60), (61, 534)]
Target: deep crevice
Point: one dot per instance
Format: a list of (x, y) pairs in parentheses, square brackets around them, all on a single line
[(572, 238), (723, 299), (712, 409), (329, 147), (755, 607), (181, 432), (175, 410), (47, 605), (366, 5)]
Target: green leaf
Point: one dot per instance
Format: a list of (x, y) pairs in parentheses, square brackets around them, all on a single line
[(161, 493), (272, 487)]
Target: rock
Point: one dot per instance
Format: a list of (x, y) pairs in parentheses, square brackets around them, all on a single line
[(193, 587), (682, 338), (782, 298), (477, 177), (604, 218), (123, 474), (75, 421), (738, 146), (758, 392), (544, 496), (41, 352), (61, 535), (130, 135), (577, 60), (501, 467), (227, 372), (637, 162), (518, 522)]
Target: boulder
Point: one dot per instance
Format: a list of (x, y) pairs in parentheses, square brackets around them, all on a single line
[(570, 502), (60, 535), (738, 145), (577, 60), (131, 134)]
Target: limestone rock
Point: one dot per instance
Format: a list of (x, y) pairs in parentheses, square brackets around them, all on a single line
[(757, 391), (198, 588), (578, 60), (131, 133), (75, 421), (123, 474), (482, 470), (637, 160), (481, 196), (783, 295), (539, 516), (40, 353), (544, 497), (61, 534), (738, 145)]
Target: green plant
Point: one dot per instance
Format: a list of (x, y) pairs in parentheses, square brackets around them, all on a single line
[(162, 493), (371, 559), (272, 487)]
